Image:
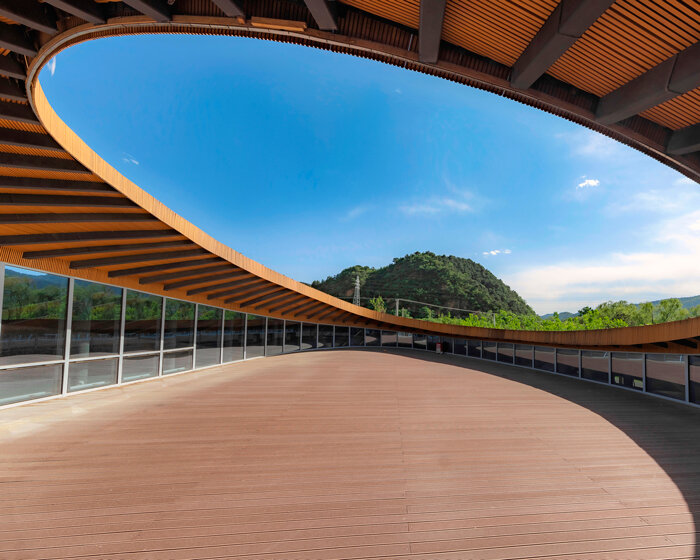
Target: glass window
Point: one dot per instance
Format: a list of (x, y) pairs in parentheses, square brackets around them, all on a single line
[(694, 370), (389, 338), (431, 343), (357, 336), (594, 365), (33, 382), (140, 367), (179, 325), (460, 346), (292, 332), (420, 341), (234, 335), (544, 358), (342, 337), (405, 340), (627, 369), (208, 336), (325, 336), (275, 336), (91, 374), (33, 317), (255, 337), (175, 362), (489, 350), (142, 322), (505, 352), (309, 334), (567, 361), (666, 375), (447, 345), (372, 337), (523, 355), (474, 348), (96, 320)]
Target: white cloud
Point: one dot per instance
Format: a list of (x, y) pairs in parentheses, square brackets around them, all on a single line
[(684, 181), (128, 158), (591, 144), (588, 183), (436, 206), (354, 213), (52, 65), (683, 196), (671, 269), (495, 252)]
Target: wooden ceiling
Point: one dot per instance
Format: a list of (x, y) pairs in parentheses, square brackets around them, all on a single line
[(625, 68)]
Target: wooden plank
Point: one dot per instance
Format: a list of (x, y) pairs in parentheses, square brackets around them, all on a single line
[(65, 218), (10, 89), (32, 14), (15, 199), (83, 236), (186, 273), (139, 258), (95, 249), (28, 139), (10, 67), (84, 9), (29, 183), (17, 161), (241, 288), (159, 268), (16, 112), (231, 273)]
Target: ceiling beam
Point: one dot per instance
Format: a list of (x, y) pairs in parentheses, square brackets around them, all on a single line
[(673, 77), (308, 308), (270, 292), (194, 268), (13, 38), (332, 313), (17, 161), (278, 300), (565, 25), (10, 89), (157, 10), (230, 8), (139, 258), (62, 201), (70, 218), (432, 14), (323, 13), (250, 293), (80, 236), (232, 273), (84, 9), (16, 112), (95, 249), (684, 141), (294, 306), (158, 268), (241, 288), (33, 183), (242, 279), (30, 13), (11, 67)]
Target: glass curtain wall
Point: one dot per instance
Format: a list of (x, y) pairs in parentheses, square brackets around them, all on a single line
[(209, 329), (143, 317), (292, 336), (178, 336), (234, 336), (255, 337), (275, 337)]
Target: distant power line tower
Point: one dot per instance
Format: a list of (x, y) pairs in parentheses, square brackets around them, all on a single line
[(356, 295)]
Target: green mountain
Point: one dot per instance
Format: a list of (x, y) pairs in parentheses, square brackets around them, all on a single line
[(687, 303), (427, 277)]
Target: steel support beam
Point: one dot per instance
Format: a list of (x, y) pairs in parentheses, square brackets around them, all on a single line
[(81, 236), (70, 218), (96, 249), (262, 297), (10, 89), (241, 288), (323, 13), (232, 273), (230, 8), (673, 77), (242, 279), (30, 13), (13, 38), (194, 270), (84, 9), (565, 25), (159, 268), (26, 139), (18, 161), (11, 67), (250, 291), (277, 300), (432, 14), (62, 201), (32, 183), (684, 141), (131, 259), (16, 112), (157, 10)]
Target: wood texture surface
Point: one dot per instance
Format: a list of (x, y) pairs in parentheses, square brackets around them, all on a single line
[(351, 454)]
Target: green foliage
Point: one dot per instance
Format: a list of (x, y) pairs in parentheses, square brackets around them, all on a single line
[(377, 303)]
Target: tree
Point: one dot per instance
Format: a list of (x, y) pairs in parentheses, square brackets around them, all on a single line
[(377, 303)]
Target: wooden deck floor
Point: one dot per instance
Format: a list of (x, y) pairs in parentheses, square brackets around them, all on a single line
[(351, 454)]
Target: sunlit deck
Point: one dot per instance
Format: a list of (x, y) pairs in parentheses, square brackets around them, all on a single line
[(351, 454)]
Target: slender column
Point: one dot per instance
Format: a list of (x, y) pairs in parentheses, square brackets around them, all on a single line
[(122, 322), (245, 336), (644, 373), (221, 349), (687, 378), (69, 328), (162, 337), (194, 339)]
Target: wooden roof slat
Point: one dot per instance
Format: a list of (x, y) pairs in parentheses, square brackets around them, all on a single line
[(83, 236), (52, 218), (84, 9), (137, 258), (96, 249), (192, 281), (29, 13)]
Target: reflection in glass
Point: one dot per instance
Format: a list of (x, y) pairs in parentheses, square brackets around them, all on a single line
[(447, 344), (432, 342), (389, 338), (309, 334), (544, 358), (505, 352), (292, 334), (567, 361), (325, 336), (489, 350), (341, 337), (420, 341), (140, 367), (275, 336), (405, 340), (372, 337), (594, 365), (627, 370), (91, 374), (666, 375), (142, 322), (694, 370), (474, 348), (357, 336), (175, 362), (179, 324), (208, 336), (234, 335), (523, 355), (255, 337), (26, 383), (460, 346), (96, 319), (33, 317)]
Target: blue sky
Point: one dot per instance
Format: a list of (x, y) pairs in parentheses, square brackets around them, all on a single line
[(309, 162)]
